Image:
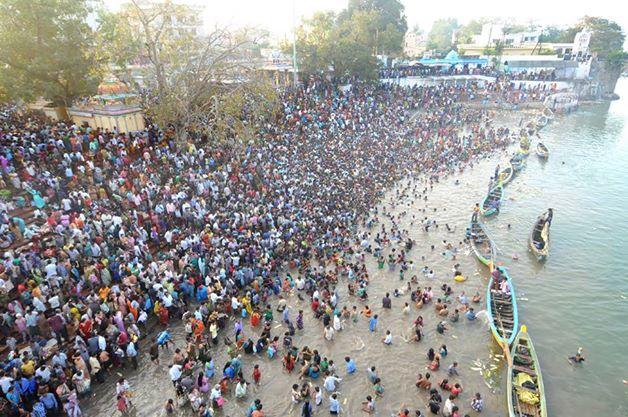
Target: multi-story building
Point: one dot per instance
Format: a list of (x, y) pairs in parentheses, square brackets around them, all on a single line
[(184, 18), (414, 45)]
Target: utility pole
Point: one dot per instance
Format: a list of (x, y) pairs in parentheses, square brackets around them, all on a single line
[(294, 42)]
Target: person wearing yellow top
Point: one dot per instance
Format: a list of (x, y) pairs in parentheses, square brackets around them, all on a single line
[(76, 314), (104, 292), (28, 367)]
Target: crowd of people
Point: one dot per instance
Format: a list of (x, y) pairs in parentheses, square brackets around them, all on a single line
[(403, 71), (128, 228), (539, 75)]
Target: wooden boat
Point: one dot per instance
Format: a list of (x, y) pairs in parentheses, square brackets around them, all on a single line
[(492, 201), (517, 162), (541, 122), (506, 175), (542, 151), (501, 308), (539, 240), (481, 244), (527, 400), (524, 145), (530, 128)]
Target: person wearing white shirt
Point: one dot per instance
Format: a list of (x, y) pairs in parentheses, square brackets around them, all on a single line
[(337, 323), (5, 382), (61, 359), (44, 373), (331, 383), (448, 407), (39, 305), (329, 333), (54, 302), (175, 373), (167, 299), (388, 339), (102, 343), (51, 270), (319, 396)]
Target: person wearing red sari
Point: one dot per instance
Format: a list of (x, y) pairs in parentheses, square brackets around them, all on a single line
[(163, 315), (255, 319), (85, 327)]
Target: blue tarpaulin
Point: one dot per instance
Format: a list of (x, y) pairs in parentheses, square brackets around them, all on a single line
[(452, 58)]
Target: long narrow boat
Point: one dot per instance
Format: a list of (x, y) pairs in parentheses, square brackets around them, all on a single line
[(539, 240), (542, 151), (517, 162), (481, 244), (524, 145), (492, 201), (506, 175), (526, 393), (501, 307)]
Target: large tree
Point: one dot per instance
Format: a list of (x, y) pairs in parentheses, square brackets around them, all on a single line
[(344, 44), (553, 34), (47, 50), (466, 32), (607, 36), (352, 50), (208, 83), (390, 26), (440, 36), (116, 41), (314, 43)]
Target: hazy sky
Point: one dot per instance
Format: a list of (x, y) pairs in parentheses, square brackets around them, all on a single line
[(276, 15)]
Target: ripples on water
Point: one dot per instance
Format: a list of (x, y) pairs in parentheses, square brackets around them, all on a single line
[(578, 298)]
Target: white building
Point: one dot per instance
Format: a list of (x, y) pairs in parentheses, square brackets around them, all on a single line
[(492, 33), (185, 18), (414, 44), (581, 43)]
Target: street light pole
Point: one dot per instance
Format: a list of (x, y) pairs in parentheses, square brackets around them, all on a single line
[(294, 42)]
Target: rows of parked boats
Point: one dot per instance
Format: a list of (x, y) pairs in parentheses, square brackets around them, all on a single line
[(526, 395)]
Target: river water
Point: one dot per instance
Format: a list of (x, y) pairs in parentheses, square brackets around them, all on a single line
[(579, 297)]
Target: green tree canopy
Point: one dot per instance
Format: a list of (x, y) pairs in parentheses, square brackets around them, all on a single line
[(47, 50), (208, 83), (390, 26), (607, 36), (314, 44), (440, 35), (345, 44), (351, 52), (466, 32), (553, 34)]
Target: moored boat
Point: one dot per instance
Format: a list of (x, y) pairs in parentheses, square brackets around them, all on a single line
[(524, 144), (501, 306), (506, 174), (542, 151), (541, 122), (492, 201), (517, 162), (539, 240), (481, 244), (526, 393)]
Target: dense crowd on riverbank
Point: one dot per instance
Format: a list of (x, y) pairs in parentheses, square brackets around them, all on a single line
[(140, 225)]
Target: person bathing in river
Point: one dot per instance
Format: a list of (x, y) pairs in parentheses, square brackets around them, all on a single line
[(578, 358)]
